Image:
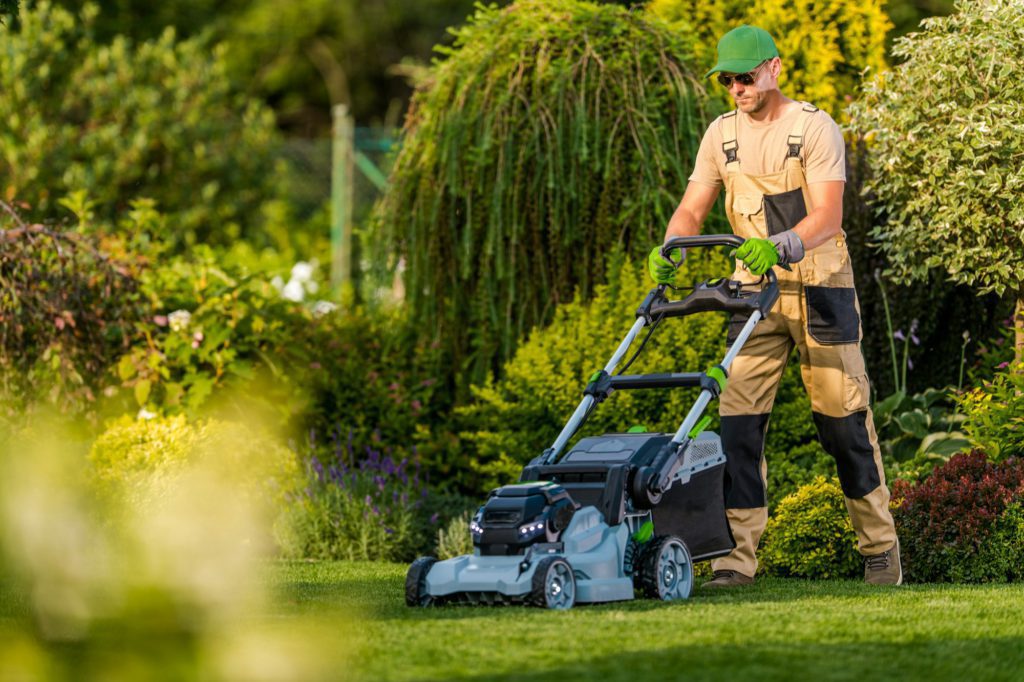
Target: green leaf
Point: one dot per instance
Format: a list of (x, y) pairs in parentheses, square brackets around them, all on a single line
[(914, 423), (142, 392)]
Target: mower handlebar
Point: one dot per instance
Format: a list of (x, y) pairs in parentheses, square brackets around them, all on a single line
[(707, 240)]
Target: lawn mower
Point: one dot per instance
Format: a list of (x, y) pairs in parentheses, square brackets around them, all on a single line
[(618, 513)]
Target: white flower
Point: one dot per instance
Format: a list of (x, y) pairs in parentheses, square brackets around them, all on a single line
[(277, 282), (145, 414), (293, 291), (179, 320), (321, 308), (312, 287), (302, 271)]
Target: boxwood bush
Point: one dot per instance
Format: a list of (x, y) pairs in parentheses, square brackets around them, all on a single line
[(809, 535)]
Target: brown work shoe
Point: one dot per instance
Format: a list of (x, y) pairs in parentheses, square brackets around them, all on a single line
[(728, 579), (884, 568)]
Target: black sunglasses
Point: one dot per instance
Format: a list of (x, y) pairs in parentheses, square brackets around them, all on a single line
[(741, 78)]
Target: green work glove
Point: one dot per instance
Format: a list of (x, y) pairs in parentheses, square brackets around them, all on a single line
[(662, 272), (759, 255)]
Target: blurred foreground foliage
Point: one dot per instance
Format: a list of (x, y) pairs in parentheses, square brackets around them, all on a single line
[(166, 592)]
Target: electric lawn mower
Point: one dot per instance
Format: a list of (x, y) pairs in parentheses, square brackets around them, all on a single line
[(618, 512)]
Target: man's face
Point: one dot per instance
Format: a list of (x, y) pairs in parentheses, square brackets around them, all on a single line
[(750, 99)]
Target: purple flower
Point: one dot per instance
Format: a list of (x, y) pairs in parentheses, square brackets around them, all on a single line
[(433, 518), (388, 530), (368, 501), (1002, 365), (910, 364), (899, 335)]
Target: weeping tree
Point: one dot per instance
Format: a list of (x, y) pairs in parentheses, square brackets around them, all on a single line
[(946, 138), (550, 133)]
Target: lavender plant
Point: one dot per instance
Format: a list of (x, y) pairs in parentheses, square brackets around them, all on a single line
[(369, 507)]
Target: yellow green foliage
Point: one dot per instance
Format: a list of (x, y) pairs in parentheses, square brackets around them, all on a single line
[(454, 539), (141, 457), (824, 45), (809, 535)]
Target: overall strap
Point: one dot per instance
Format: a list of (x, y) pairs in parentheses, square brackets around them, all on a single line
[(796, 137), (729, 144)]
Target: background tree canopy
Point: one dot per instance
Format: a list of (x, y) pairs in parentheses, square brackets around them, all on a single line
[(552, 133), (157, 119)]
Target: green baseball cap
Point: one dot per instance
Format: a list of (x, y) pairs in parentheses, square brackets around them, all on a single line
[(743, 49)]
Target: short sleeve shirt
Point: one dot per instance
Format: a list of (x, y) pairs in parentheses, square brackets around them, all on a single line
[(762, 147)]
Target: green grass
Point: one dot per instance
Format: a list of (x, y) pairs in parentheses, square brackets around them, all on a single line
[(775, 630)]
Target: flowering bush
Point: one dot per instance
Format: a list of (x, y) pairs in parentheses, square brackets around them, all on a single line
[(370, 509), (216, 329), (963, 523), (809, 535)]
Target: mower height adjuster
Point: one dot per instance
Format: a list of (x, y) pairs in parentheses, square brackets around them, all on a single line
[(600, 386)]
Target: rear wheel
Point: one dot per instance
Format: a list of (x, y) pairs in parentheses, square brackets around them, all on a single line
[(666, 571), (416, 583), (554, 585)]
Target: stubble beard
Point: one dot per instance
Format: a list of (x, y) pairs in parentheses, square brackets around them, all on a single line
[(756, 105)]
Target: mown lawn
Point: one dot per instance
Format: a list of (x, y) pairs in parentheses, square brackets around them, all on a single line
[(775, 630)]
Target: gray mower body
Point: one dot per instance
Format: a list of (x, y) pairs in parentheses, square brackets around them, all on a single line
[(597, 539)]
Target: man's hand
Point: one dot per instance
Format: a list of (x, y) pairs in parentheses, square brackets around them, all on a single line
[(759, 255), (663, 272)]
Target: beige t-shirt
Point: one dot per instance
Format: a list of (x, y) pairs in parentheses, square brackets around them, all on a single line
[(762, 147)]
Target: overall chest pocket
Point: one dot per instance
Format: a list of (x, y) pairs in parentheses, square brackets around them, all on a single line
[(832, 315), (784, 211)]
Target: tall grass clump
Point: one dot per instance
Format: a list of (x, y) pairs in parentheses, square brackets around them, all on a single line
[(548, 133)]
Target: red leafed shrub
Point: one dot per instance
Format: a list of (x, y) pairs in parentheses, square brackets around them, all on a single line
[(963, 523)]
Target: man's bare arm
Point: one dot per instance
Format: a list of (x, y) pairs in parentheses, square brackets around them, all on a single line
[(825, 220), (692, 210)]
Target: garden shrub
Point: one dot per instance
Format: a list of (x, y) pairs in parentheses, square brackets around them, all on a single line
[(809, 535), (551, 132), (994, 414), (67, 310), (944, 158), (370, 509), (159, 119), (217, 334), (824, 45), (139, 457), (963, 522)]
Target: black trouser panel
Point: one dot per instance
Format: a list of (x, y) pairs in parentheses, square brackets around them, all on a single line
[(846, 439), (743, 443)]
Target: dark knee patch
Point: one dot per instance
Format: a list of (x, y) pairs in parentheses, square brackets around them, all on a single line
[(846, 439), (743, 443)]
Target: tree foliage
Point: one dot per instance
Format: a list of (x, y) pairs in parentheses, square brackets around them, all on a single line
[(122, 121), (824, 45), (550, 133), (946, 137)]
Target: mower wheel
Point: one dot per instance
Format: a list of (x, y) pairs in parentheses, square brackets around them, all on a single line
[(554, 585), (416, 583), (666, 571)]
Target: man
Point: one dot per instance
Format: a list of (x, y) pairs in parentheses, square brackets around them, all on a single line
[(782, 164)]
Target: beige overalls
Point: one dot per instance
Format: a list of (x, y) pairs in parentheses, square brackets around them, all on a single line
[(819, 313)]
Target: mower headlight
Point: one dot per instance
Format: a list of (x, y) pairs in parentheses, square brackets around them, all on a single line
[(528, 530)]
